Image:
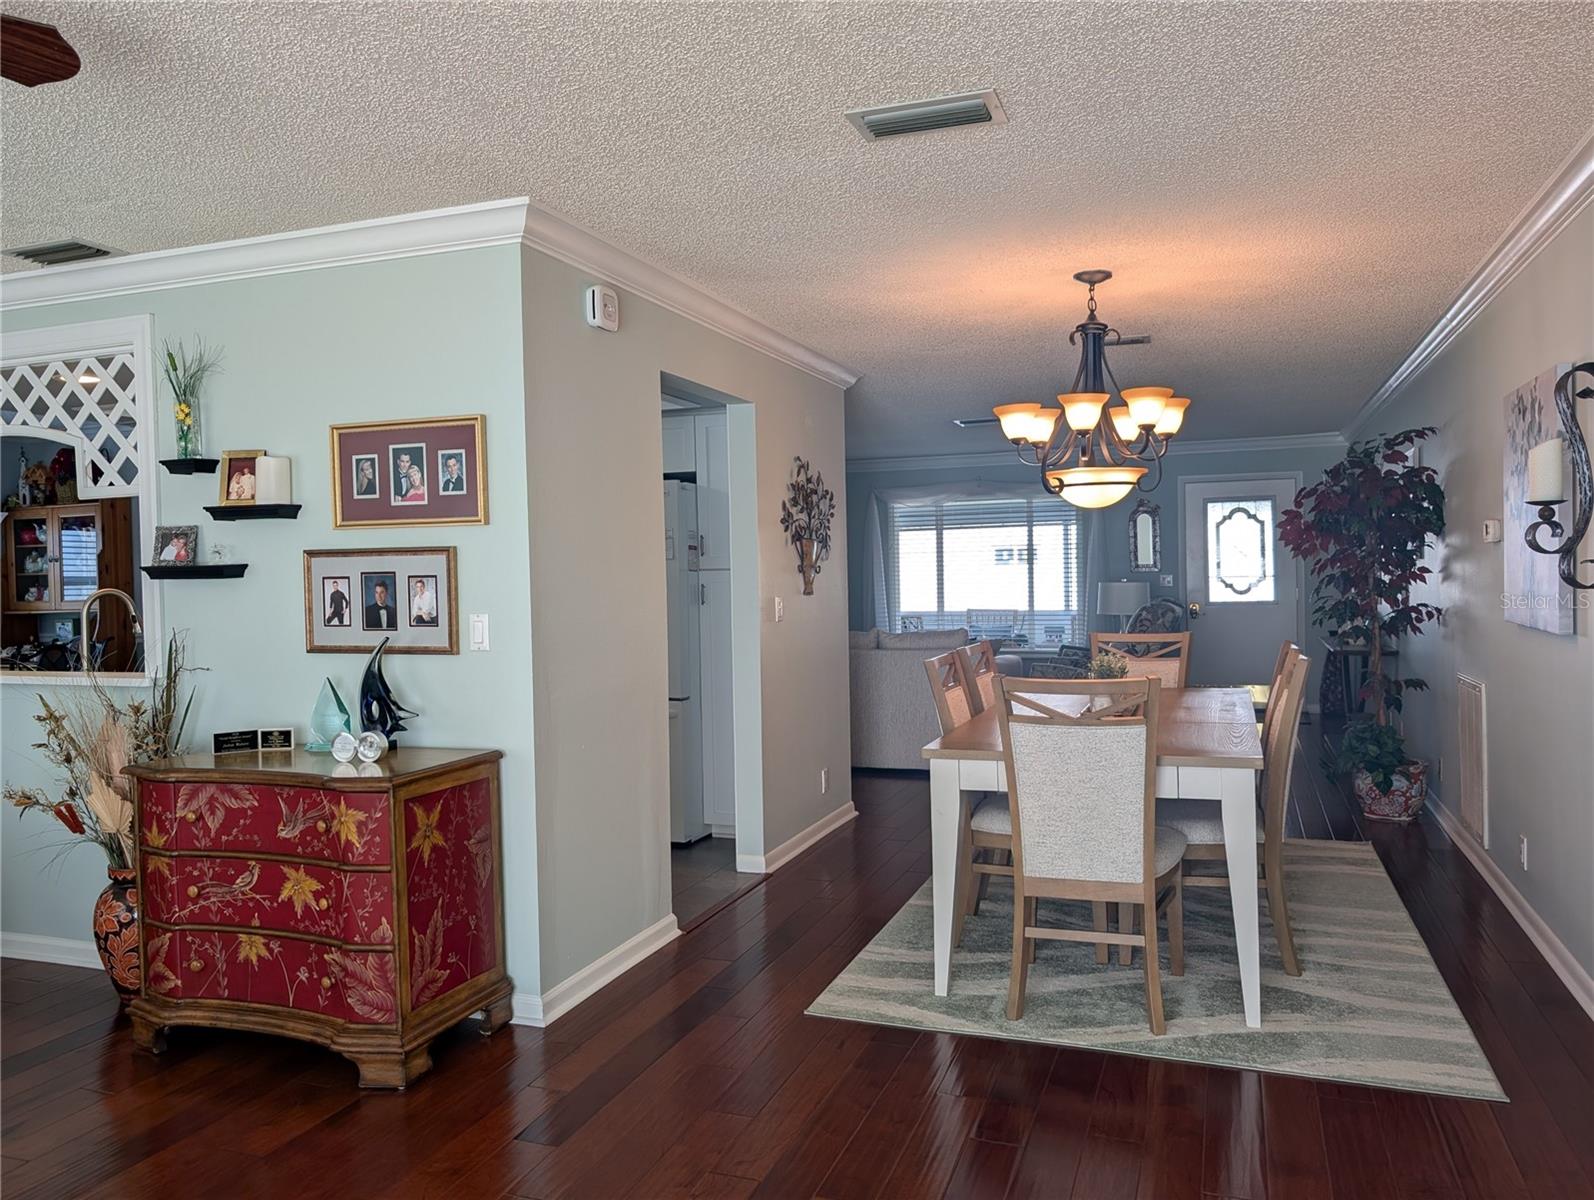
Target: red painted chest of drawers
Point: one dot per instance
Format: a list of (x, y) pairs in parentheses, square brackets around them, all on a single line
[(358, 907)]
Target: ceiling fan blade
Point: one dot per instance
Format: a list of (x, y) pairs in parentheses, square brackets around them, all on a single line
[(31, 54)]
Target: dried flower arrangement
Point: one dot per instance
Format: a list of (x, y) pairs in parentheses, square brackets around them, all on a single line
[(91, 737), (805, 516), (1108, 665)]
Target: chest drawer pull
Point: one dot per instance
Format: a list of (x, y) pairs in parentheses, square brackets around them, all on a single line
[(326, 984), (190, 817), (193, 891), (195, 965)]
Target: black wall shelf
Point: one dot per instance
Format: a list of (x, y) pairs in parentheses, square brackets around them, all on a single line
[(190, 466), (253, 512), (198, 571)]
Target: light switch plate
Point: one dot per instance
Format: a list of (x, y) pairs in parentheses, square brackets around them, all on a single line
[(1491, 531), (478, 631), (1166, 580), (780, 610)]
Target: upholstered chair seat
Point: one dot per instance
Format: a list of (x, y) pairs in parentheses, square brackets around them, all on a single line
[(1199, 821), (993, 816)]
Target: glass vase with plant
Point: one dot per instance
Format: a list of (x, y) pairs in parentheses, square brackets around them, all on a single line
[(1366, 528), (90, 736), (186, 374)]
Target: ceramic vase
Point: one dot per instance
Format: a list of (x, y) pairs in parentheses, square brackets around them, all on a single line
[(116, 931), (1402, 802), (807, 564)]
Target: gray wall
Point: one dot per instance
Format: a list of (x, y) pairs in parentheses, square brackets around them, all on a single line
[(1540, 687), (593, 463)]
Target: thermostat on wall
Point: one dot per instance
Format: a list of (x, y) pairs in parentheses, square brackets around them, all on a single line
[(603, 308)]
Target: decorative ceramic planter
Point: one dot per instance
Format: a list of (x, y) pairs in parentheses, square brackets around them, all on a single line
[(116, 932), (1402, 802)]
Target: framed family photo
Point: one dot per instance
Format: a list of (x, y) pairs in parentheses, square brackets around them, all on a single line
[(238, 481), (355, 598), (427, 471), (175, 546)]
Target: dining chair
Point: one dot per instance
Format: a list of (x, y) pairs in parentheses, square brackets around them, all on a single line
[(979, 670), (1201, 821), (1081, 759), (1269, 703), (1162, 656), (985, 826)]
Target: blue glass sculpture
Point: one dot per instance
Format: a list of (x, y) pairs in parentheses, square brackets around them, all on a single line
[(328, 718)]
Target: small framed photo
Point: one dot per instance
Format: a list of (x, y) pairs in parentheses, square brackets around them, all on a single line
[(337, 608), (355, 598), (379, 595), (426, 471), (175, 546), (367, 479), (451, 477), (238, 476), (422, 591), (408, 473)]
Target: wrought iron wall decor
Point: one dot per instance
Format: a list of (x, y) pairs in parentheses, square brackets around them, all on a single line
[(1549, 481), (805, 515)]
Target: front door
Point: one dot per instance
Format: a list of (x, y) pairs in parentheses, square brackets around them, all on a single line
[(1246, 585)]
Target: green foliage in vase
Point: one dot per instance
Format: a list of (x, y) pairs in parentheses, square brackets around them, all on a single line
[(1107, 665), (1377, 749), (186, 375)]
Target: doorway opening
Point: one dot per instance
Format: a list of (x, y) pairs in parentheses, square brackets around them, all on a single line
[(715, 793)]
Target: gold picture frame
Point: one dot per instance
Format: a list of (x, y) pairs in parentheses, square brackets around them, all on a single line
[(353, 632), (414, 471), (227, 458)]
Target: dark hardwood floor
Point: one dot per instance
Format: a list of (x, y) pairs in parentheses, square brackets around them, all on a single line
[(696, 1074), (704, 878)]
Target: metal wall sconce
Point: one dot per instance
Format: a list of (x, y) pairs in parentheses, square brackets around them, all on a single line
[(1546, 487)]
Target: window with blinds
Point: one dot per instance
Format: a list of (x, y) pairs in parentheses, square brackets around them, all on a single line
[(1005, 568)]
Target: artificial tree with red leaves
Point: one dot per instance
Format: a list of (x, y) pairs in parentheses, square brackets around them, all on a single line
[(1365, 527)]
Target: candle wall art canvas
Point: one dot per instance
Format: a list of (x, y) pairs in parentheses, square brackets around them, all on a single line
[(1532, 594)]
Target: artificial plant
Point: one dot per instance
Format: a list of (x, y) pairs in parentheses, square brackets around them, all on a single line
[(1365, 527)]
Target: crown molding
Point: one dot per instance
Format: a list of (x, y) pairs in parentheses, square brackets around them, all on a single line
[(495, 223), (569, 243), (466, 227), (1561, 199), (1332, 442)]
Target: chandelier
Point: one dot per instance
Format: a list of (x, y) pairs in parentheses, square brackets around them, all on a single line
[(1090, 451)]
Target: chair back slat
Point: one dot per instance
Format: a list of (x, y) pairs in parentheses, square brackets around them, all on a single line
[(979, 672), (953, 705), (1287, 653), (1164, 657), (1278, 751), (1081, 769)]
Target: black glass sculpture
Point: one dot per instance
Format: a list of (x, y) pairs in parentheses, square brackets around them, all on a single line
[(379, 708)]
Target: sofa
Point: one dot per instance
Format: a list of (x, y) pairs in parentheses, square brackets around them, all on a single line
[(893, 711)]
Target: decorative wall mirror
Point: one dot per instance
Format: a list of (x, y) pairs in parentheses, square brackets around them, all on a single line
[(1145, 537)]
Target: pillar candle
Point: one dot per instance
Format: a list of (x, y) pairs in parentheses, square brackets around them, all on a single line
[(1544, 473), (273, 480)]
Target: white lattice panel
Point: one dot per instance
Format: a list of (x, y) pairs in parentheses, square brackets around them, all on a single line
[(95, 398)]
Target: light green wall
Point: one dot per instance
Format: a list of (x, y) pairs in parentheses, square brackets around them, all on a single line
[(413, 337), (595, 461), (1540, 687)]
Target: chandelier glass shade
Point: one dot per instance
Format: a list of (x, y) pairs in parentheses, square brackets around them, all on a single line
[(1090, 451)]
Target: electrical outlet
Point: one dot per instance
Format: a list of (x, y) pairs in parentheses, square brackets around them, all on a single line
[(1522, 850), (1166, 580), (1438, 770), (824, 780)]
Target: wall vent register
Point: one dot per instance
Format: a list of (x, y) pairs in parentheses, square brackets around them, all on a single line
[(923, 116)]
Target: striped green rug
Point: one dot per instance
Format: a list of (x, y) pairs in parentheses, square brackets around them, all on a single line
[(1369, 1006)]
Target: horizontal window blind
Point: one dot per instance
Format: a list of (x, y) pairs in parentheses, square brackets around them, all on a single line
[(1005, 568)]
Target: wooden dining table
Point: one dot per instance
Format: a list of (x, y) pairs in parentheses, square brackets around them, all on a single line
[(1207, 749)]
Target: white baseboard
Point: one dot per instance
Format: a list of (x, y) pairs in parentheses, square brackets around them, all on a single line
[(791, 848), (531, 1009), (66, 952), (1578, 981), (722, 831)]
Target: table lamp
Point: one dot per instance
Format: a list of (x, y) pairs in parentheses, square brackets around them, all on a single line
[(1121, 599)]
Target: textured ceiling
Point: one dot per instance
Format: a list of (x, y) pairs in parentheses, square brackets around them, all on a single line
[(1290, 194)]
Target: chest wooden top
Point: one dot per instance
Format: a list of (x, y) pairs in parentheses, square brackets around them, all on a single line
[(301, 768), (1196, 727)]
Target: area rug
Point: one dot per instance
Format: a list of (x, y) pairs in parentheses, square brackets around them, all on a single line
[(1369, 1006)]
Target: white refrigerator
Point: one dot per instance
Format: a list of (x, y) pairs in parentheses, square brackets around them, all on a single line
[(684, 607)]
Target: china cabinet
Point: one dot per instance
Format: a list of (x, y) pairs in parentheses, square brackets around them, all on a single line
[(56, 556)]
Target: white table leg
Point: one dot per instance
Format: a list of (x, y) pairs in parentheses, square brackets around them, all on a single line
[(1239, 844), (946, 803)]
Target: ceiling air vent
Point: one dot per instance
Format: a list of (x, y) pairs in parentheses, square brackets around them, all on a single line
[(54, 254), (921, 116)]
